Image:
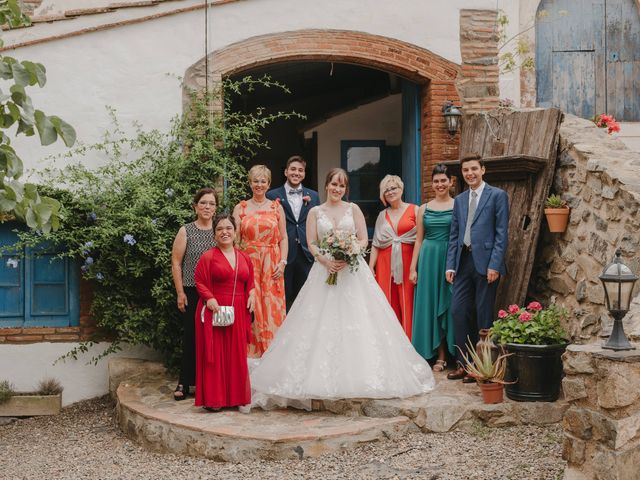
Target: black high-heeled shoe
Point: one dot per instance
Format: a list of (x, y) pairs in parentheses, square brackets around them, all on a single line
[(180, 389)]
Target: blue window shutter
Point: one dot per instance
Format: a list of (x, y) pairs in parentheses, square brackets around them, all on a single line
[(52, 293), (11, 279)]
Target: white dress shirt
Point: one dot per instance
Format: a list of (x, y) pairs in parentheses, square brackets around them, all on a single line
[(294, 199)]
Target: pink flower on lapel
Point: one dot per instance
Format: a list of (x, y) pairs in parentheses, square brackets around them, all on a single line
[(306, 199)]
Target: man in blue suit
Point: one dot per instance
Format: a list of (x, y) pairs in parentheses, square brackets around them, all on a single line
[(296, 200), (475, 258)]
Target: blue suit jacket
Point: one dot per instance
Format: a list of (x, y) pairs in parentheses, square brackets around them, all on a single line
[(489, 230), (296, 230)]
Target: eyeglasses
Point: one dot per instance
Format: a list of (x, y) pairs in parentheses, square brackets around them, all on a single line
[(391, 189), (204, 204)]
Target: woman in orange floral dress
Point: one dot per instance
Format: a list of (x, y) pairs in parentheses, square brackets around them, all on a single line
[(263, 235)]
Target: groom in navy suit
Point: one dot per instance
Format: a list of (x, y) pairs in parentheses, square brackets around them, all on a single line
[(296, 200), (475, 258)]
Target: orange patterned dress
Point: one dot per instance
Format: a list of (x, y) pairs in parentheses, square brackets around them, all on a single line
[(260, 236)]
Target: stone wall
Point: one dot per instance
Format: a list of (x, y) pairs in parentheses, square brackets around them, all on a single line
[(602, 424), (599, 178)]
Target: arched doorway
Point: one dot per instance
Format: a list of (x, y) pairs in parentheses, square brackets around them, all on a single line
[(433, 76), (588, 57)]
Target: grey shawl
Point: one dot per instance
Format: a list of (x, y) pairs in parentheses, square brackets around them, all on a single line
[(384, 236)]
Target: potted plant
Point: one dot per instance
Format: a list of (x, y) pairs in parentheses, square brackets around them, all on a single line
[(535, 337), (557, 213), (47, 400), (488, 370)]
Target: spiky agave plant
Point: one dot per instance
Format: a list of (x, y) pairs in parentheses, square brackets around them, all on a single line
[(482, 366)]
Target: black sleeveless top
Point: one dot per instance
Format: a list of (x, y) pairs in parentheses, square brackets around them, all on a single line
[(198, 242)]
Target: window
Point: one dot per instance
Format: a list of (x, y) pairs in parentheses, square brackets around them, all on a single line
[(36, 289), (366, 163)]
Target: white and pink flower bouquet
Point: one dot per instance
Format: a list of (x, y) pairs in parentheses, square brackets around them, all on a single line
[(341, 245)]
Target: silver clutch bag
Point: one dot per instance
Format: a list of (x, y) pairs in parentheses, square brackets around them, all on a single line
[(223, 318)]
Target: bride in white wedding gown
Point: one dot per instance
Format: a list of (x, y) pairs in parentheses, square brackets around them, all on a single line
[(338, 341)]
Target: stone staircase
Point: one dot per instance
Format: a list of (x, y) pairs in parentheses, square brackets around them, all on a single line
[(148, 414)]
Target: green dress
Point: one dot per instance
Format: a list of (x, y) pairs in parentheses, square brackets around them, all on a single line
[(432, 299)]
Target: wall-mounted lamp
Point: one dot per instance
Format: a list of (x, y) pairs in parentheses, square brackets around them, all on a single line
[(452, 115), (618, 281)]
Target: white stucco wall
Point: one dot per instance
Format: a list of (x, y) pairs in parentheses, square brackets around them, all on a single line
[(126, 67), (510, 81), (379, 120), (25, 365)]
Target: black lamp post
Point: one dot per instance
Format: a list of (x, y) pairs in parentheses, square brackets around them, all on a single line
[(452, 115), (618, 281)]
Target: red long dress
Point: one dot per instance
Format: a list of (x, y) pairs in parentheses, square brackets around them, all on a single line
[(400, 296), (222, 375)]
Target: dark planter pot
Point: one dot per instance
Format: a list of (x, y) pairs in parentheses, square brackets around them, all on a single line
[(537, 371)]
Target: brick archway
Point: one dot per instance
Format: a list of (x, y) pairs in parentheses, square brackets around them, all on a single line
[(433, 73)]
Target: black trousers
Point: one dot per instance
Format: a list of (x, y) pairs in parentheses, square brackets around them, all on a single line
[(471, 291), (188, 363), (295, 274)]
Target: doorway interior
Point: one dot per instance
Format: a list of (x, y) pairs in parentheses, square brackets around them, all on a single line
[(362, 119)]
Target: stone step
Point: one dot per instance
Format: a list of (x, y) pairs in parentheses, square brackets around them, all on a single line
[(148, 414), (152, 418)]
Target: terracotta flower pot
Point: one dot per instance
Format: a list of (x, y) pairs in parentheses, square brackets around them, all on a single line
[(557, 218), (492, 392)]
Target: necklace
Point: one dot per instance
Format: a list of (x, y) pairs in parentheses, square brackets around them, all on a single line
[(259, 204)]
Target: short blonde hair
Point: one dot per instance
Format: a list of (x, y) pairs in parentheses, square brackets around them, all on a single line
[(258, 171), (388, 181)]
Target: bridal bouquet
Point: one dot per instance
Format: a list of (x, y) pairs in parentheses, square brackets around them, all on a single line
[(341, 245)]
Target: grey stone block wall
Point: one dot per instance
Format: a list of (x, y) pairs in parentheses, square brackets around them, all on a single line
[(600, 180)]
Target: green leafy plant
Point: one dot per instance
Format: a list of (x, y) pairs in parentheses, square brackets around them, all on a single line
[(6, 391), (555, 201), (120, 220), (484, 366), (532, 325), (49, 386), (18, 199)]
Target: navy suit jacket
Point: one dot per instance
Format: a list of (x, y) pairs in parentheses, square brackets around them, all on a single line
[(296, 229), (489, 230)]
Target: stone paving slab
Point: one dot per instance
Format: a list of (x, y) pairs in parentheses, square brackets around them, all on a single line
[(148, 414)]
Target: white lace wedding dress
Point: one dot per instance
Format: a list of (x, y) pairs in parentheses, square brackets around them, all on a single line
[(338, 341)]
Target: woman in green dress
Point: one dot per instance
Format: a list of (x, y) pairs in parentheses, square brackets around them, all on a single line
[(432, 323)]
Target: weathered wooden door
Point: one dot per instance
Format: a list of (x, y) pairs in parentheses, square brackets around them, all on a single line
[(525, 172), (588, 57), (623, 59)]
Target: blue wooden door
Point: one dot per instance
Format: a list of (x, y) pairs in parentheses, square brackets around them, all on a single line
[(623, 59), (11, 281), (411, 171), (587, 57)]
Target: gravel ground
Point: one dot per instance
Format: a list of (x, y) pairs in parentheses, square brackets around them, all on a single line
[(83, 442)]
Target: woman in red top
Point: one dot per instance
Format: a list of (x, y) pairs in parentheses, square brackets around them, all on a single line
[(392, 249), (224, 276)]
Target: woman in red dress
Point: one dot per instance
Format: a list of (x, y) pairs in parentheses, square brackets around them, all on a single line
[(392, 249), (224, 276)]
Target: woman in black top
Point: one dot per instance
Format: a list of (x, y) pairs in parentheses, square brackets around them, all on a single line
[(190, 243)]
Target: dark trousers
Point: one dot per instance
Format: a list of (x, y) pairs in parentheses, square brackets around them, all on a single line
[(295, 274), (188, 363), (471, 290)]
